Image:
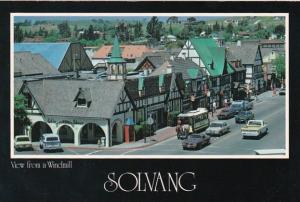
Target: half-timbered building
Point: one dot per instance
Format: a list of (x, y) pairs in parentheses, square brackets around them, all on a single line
[(211, 59)]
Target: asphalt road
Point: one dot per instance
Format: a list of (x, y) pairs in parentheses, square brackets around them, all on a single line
[(270, 109)]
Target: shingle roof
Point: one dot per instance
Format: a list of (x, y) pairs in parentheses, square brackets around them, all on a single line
[(187, 67), (210, 53), (52, 52), (246, 52), (151, 86), (156, 61), (56, 97), (28, 63), (267, 51), (18, 82)]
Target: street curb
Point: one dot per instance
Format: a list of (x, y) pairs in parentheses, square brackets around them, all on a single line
[(112, 149)]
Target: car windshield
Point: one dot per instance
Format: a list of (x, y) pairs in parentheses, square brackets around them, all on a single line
[(243, 113), (215, 125), (52, 139), (254, 123), (186, 120), (235, 105), (22, 139)]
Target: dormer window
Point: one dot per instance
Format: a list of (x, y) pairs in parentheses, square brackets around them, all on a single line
[(81, 102), (83, 97)]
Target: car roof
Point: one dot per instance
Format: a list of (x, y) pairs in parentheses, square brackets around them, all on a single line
[(50, 135), (21, 136), (218, 122)]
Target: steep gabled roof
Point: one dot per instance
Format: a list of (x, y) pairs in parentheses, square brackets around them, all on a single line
[(246, 52), (187, 67), (29, 64), (155, 61), (210, 53), (58, 97), (52, 52)]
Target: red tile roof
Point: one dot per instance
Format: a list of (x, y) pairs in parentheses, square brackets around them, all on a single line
[(128, 51)]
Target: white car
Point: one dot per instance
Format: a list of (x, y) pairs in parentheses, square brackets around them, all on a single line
[(22, 142), (217, 128), (50, 141)]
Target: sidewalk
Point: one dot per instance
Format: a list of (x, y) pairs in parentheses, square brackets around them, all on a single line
[(159, 135)]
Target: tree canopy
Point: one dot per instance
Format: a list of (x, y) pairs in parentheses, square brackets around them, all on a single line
[(154, 28), (20, 116), (279, 63)]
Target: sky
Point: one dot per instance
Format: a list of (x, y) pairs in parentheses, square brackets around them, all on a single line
[(72, 18)]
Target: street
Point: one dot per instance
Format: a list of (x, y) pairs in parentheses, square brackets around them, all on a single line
[(268, 108)]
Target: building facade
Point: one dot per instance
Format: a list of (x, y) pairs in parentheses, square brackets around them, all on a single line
[(211, 59)]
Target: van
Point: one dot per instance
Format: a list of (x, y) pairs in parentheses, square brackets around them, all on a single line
[(241, 105), (237, 106), (50, 142)]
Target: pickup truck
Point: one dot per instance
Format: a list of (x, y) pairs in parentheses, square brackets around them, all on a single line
[(254, 128)]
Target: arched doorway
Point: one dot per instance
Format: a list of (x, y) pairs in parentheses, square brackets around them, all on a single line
[(66, 134), (38, 129), (90, 133), (117, 133)]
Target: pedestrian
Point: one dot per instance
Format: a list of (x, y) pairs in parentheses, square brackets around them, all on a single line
[(214, 106), (225, 102)]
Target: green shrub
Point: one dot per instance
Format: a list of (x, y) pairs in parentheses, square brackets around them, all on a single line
[(172, 118)]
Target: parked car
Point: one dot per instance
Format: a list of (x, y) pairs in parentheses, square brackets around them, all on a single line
[(241, 105), (195, 141), (226, 113), (247, 105), (244, 116), (22, 142), (282, 91), (217, 128), (50, 141), (254, 128)]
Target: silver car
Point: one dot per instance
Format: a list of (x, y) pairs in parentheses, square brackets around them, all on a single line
[(50, 141), (217, 128)]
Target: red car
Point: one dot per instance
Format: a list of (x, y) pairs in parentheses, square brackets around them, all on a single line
[(226, 113)]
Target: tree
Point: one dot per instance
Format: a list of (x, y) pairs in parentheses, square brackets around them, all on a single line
[(229, 28), (138, 32), (279, 64), (171, 20), (18, 34), (191, 20), (154, 27), (216, 27), (20, 116), (279, 30), (90, 33), (259, 26), (64, 29)]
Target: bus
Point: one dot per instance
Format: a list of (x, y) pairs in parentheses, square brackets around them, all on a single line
[(194, 121)]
